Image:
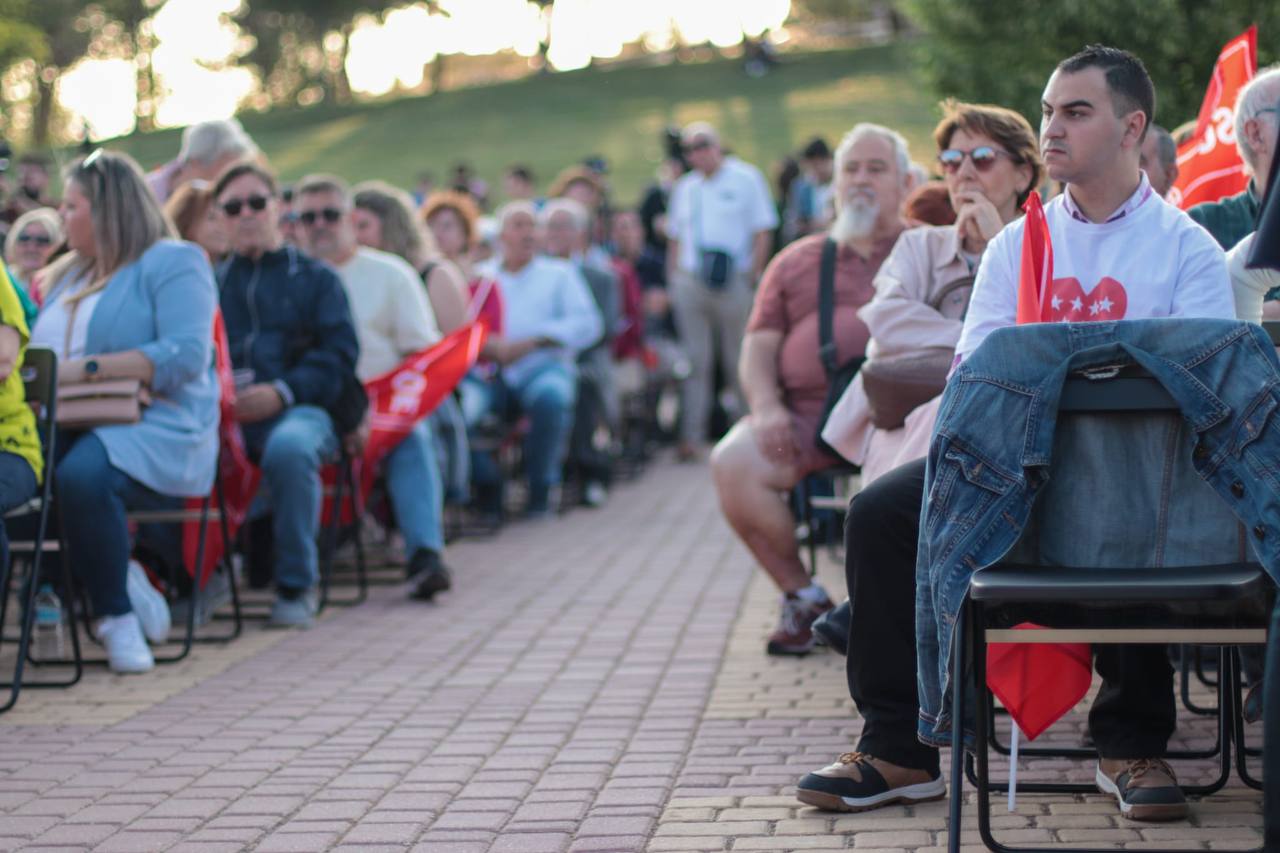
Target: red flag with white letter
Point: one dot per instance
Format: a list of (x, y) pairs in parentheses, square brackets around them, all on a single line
[(401, 397), (1209, 166), (1036, 273)]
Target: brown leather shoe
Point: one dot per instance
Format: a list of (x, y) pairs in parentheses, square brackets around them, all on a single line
[(1145, 788), (858, 782)]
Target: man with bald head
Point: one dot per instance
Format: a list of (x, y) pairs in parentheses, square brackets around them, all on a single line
[(720, 227)]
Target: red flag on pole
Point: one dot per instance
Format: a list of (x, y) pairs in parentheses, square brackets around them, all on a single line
[(1039, 682), (402, 397), (1209, 165), (1036, 273)]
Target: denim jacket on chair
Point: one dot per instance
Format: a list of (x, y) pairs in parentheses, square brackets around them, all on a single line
[(991, 452)]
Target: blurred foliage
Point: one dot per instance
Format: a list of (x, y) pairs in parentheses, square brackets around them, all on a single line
[(994, 52)]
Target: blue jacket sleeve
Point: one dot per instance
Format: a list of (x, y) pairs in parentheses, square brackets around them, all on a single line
[(179, 281), (323, 370)]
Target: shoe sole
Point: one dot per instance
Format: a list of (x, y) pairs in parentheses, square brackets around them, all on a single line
[(1140, 811), (779, 650), (924, 792)]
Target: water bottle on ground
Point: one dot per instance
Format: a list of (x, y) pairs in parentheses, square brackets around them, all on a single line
[(49, 630)]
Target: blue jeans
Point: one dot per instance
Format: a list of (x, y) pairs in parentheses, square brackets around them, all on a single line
[(416, 489), (17, 485), (547, 398), (92, 499), (300, 442)]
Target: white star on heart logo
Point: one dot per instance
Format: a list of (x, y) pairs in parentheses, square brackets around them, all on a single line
[(1107, 301)]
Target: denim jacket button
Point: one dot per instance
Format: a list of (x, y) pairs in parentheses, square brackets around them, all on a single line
[(1199, 452), (1237, 489), (1260, 531)]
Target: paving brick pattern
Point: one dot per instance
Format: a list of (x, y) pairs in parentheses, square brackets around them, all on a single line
[(596, 684)]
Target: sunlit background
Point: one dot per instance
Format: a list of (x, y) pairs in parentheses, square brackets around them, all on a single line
[(194, 41)]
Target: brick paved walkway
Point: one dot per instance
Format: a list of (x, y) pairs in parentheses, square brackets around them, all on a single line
[(595, 685)]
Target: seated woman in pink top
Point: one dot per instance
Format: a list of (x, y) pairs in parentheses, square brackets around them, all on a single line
[(990, 161)]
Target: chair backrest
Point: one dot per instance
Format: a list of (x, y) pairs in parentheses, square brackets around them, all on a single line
[(1272, 328), (40, 380), (1122, 488)]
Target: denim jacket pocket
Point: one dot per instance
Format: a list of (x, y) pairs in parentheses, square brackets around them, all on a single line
[(1251, 427), (963, 490)]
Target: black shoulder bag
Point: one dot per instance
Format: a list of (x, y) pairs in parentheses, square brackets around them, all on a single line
[(838, 375)]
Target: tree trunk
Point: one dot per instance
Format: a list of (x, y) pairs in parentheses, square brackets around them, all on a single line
[(42, 110), (437, 74), (144, 110), (341, 80)]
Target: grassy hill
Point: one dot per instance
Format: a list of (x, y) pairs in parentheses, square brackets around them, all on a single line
[(552, 121)]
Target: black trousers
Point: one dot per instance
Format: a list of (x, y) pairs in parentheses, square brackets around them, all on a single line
[(1132, 717)]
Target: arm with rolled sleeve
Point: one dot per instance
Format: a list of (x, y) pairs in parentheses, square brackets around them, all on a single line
[(319, 376), (577, 324), (184, 299)]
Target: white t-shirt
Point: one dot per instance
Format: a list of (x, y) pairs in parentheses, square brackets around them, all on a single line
[(1250, 286), (389, 306), (1154, 261), (50, 329), (722, 212)]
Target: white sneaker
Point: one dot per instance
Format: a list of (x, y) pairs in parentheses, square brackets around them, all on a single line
[(148, 603), (126, 647)]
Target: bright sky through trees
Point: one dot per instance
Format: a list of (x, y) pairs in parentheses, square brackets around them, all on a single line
[(193, 42)]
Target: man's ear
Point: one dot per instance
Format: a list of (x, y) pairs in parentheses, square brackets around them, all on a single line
[(1135, 124)]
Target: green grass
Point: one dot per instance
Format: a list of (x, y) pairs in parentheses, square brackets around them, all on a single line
[(549, 122)]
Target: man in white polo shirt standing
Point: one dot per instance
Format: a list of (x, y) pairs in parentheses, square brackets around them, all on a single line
[(720, 225)]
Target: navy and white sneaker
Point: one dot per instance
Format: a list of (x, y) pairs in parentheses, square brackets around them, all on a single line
[(857, 782)]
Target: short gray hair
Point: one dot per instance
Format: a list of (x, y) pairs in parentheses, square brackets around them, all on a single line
[(512, 208), (1166, 148), (576, 212), (324, 184), (1260, 93), (695, 129), (902, 155), (210, 141)]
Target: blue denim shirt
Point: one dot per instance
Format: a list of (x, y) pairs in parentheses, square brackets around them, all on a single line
[(981, 483)]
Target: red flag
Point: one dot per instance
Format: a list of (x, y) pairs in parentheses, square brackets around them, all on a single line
[(1209, 165), (1038, 683), (402, 397), (1037, 264), (239, 476)]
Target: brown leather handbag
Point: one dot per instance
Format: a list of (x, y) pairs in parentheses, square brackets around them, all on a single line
[(897, 384), (85, 405)]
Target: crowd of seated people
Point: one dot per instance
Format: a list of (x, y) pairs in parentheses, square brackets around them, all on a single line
[(323, 288)]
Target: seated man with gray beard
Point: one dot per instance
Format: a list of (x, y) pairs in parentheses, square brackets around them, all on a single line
[(783, 378)]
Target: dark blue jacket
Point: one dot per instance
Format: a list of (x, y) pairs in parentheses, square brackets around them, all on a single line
[(288, 320)]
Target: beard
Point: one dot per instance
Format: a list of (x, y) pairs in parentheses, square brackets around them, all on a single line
[(856, 218)]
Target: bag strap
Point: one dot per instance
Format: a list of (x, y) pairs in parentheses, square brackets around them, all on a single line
[(827, 309)]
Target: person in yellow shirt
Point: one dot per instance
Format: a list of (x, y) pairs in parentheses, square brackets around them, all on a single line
[(20, 459)]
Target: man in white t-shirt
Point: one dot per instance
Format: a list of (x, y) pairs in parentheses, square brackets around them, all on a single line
[(1119, 252), (393, 319), (720, 223)]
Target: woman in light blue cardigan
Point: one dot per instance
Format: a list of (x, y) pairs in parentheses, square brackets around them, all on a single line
[(129, 302)]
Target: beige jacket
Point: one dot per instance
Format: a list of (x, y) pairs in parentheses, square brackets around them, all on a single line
[(923, 261)]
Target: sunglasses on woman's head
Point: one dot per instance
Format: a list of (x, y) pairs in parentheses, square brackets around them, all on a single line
[(983, 157), (257, 203), (330, 215)]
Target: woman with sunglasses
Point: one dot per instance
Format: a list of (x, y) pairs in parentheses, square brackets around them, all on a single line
[(990, 162), (129, 302), (29, 247)]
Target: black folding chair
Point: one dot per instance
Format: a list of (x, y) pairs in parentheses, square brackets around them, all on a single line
[(40, 380), (345, 489), (1221, 605), (819, 500)]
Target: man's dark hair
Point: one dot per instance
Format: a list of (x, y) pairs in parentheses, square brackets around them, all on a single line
[(1127, 79), (244, 167), (817, 149), (523, 173)]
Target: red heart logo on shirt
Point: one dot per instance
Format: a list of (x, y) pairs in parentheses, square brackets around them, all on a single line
[(1068, 303)]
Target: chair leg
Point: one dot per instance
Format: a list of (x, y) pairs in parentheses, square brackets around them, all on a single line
[(1184, 668), (1237, 725), (226, 565), (959, 642), (189, 631)]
